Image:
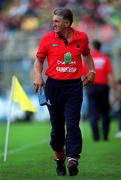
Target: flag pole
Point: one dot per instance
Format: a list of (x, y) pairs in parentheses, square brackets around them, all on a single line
[(8, 120)]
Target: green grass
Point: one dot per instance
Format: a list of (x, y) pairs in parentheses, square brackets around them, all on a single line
[(30, 156)]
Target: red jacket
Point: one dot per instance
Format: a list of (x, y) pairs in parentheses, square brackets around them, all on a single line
[(103, 67), (52, 47)]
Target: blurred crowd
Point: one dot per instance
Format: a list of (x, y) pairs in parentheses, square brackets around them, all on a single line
[(99, 18)]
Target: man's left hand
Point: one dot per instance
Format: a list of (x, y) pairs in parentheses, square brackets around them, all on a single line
[(89, 78)]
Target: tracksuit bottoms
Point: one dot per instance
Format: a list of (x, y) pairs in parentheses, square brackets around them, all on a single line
[(64, 100), (98, 101)]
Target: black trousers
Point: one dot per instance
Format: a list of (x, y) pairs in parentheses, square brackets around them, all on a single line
[(98, 101), (119, 117), (64, 100)]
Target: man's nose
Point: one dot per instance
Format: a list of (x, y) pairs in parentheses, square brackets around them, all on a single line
[(54, 23)]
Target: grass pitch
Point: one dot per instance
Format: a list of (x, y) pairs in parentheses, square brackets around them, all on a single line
[(31, 158)]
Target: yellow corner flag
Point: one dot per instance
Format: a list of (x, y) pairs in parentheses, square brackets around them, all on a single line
[(18, 95), (21, 97)]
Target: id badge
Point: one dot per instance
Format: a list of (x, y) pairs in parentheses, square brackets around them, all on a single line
[(67, 57)]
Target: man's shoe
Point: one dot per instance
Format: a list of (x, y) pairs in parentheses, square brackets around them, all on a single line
[(60, 168), (73, 167)]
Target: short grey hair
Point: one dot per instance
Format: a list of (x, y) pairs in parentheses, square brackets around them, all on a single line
[(65, 13)]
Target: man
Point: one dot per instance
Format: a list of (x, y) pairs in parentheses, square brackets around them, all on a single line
[(63, 48), (118, 134), (98, 92)]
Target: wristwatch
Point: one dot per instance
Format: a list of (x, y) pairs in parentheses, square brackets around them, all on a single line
[(92, 71)]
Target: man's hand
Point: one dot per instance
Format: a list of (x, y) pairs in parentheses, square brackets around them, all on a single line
[(37, 74), (89, 78), (38, 83)]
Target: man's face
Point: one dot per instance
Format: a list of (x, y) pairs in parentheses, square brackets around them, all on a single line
[(59, 24)]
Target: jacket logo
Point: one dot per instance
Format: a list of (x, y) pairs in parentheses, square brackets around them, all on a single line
[(55, 45)]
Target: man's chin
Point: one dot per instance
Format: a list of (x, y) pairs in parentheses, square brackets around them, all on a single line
[(56, 31)]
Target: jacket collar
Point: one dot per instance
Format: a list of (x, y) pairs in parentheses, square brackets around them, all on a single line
[(76, 35)]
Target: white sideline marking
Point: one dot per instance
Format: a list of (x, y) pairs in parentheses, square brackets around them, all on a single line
[(24, 147)]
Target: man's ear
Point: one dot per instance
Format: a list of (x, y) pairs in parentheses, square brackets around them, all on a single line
[(67, 23)]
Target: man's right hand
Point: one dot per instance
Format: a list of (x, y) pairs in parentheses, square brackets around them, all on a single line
[(37, 74), (38, 84)]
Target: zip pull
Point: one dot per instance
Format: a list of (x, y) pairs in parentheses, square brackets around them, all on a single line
[(64, 39)]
